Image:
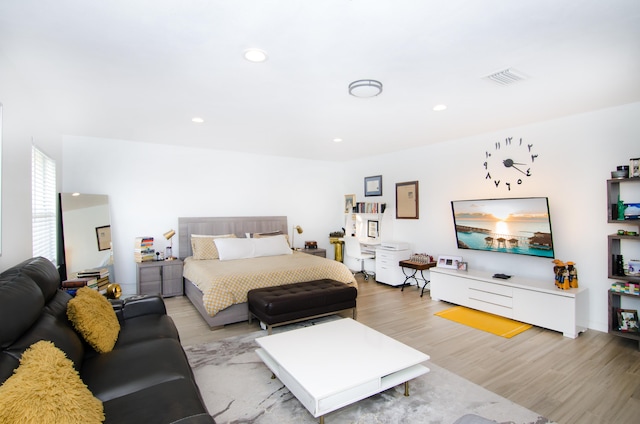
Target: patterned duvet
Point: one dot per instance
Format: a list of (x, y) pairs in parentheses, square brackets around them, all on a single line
[(226, 283)]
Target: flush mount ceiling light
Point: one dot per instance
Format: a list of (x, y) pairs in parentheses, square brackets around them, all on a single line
[(365, 88), (255, 55), (197, 120), (439, 108)]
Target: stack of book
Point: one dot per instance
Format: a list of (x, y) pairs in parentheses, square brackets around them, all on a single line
[(73, 284), (630, 288), (143, 249), (101, 275)]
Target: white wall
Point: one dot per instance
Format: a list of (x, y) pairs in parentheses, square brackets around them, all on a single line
[(576, 155), (25, 121), (150, 186)]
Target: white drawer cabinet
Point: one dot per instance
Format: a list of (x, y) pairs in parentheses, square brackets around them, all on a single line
[(534, 302), (387, 269)]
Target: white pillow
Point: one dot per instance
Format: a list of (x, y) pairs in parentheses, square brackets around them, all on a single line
[(271, 246), (235, 248), (243, 248)]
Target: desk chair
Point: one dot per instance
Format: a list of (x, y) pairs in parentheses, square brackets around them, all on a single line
[(353, 250)]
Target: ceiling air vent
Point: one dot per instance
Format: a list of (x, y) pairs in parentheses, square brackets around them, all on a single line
[(506, 77)]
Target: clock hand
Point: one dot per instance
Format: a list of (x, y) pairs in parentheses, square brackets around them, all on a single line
[(518, 169), (509, 163)]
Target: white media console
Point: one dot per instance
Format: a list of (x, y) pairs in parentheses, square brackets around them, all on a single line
[(530, 301)]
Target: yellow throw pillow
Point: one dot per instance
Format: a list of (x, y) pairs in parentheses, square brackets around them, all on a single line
[(94, 318), (46, 388), (204, 247)]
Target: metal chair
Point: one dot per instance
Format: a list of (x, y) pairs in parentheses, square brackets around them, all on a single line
[(353, 250)]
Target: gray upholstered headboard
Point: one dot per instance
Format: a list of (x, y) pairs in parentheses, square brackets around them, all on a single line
[(238, 225)]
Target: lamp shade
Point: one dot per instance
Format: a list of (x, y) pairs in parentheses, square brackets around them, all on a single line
[(298, 229), (169, 234)]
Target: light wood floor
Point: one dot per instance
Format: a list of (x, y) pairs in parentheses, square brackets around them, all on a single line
[(592, 379)]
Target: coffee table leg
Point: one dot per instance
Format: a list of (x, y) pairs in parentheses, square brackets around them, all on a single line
[(406, 388), (321, 419)]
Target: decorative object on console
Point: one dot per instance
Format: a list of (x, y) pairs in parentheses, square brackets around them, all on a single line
[(421, 258), (372, 229), (169, 251), (143, 250), (114, 291), (508, 164), (310, 244), (296, 229), (566, 275), (373, 186), (462, 266), (407, 200), (451, 262)]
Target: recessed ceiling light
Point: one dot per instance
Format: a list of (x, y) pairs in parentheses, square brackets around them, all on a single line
[(197, 120), (365, 88), (337, 140), (439, 108), (75, 194), (255, 55)]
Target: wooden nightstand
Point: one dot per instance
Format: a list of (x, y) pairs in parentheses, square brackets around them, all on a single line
[(160, 277), (315, 252)]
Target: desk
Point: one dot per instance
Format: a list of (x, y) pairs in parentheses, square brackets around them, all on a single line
[(410, 269)]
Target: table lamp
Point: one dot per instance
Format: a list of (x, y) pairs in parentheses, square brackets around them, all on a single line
[(296, 229), (169, 252)]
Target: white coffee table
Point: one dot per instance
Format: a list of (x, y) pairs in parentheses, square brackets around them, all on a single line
[(332, 365)]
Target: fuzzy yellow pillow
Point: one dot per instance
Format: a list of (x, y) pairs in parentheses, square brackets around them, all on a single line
[(94, 318), (46, 388)]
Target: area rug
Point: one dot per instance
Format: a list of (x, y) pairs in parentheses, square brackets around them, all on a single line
[(237, 388), (494, 324)]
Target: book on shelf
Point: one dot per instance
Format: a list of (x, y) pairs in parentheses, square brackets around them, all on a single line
[(94, 272), (72, 285), (630, 288)]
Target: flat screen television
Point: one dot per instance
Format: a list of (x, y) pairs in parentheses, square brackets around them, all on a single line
[(517, 225)]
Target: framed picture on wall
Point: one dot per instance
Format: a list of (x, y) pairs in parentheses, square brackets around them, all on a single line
[(373, 186), (104, 237), (349, 202), (407, 200), (450, 262), (628, 320)]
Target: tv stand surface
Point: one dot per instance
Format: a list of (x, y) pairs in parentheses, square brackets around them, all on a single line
[(531, 301)]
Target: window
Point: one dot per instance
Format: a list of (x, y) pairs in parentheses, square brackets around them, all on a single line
[(43, 204)]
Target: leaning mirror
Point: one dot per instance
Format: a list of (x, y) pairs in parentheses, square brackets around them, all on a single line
[(86, 234)]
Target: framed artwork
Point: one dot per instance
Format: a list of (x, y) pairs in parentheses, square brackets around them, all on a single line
[(104, 237), (462, 266), (349, 202), (407, 200), (450, 262), (628, 320), (372, 229), (373, 186)]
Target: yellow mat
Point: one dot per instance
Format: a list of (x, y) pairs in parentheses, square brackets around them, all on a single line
[(500, 326)]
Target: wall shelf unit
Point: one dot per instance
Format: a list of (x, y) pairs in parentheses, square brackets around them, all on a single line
[(628, 189)]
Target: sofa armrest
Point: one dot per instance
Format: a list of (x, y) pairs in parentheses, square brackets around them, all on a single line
[(142, 305)]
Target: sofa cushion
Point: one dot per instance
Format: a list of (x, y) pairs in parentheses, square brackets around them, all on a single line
[(146, 327), (21, 303), (94, 318), (43, 272), (135, 367), (46, 388), (157, 404)]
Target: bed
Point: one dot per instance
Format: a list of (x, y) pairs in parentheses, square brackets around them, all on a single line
[(218, 288)]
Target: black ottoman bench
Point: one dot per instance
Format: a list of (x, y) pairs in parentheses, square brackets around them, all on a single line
[(295, 302)]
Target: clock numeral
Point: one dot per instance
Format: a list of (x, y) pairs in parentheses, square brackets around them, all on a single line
[(519, 181), (497, 183), (508, 186), (520, 144), (497, 145), (533, 158), (488, 177), (528, 172), (487, 155), (529, 146), (507, 141), (486, 165)]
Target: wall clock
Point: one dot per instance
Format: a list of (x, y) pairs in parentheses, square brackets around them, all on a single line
[(509, 163)]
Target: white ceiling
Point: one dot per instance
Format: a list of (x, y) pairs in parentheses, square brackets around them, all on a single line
[(141, 69)]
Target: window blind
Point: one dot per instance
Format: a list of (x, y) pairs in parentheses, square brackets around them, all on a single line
[(43, 204)]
